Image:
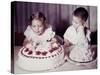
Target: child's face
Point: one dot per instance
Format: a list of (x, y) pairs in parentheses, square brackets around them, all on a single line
[(76, 21), (37, 26)]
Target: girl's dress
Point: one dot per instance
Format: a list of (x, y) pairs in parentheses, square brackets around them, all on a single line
[(40, 39), (47, 35)]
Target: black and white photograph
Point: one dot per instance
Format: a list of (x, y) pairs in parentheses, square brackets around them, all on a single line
[(50, 37)]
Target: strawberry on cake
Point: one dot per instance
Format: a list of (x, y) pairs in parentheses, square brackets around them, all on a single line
[(45, 56)]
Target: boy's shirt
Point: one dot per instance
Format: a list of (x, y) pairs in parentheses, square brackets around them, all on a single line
[(76, 36)]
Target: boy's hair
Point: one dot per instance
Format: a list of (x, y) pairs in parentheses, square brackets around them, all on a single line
[(81, 13)]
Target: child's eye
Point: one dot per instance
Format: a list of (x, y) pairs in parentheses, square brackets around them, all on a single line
[(40, 25), (33, 26)]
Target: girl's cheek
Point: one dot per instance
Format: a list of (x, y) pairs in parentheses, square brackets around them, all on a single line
[(41, 29)]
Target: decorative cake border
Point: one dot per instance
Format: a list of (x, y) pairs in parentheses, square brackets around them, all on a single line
[(59, 52)]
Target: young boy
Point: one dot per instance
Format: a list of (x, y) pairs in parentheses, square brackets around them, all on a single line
[(78, 35)]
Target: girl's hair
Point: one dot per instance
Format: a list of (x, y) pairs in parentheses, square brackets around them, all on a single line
[(81, 13), (38, 16)]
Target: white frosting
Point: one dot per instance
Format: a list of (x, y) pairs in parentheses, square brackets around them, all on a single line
[(40, 63)]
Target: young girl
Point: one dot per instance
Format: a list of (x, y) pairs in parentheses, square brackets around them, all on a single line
[(39, 33), (78, 36)]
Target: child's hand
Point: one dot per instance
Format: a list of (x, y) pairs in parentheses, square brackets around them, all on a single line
[(53, 40), (35, 44), (55, 45), (67, 43), (28, 45)]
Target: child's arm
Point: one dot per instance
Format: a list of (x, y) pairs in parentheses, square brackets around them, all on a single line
[(28, 36), (30, 44), (67, 43), (26, 41), (54, 43), (69, 37)]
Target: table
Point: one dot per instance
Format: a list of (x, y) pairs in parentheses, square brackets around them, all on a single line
[(67, 66)]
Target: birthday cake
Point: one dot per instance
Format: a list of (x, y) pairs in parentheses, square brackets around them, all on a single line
[(41, 58)]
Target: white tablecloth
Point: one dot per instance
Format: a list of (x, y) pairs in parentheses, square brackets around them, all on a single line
[(67, 66)]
